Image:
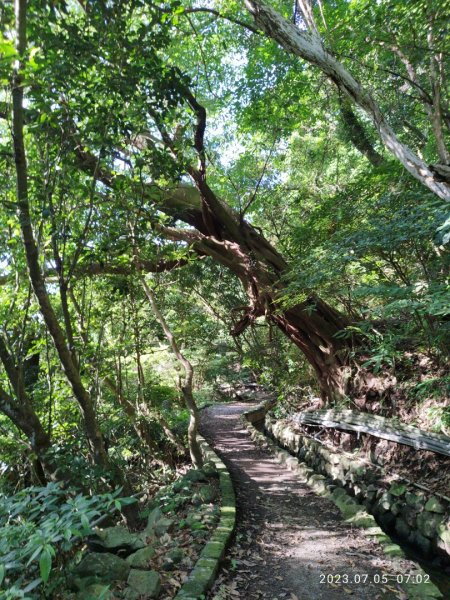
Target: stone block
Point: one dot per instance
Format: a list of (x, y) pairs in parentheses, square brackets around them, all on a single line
[(387, 520), (414, 500), (434, 505), (443, 538), (428, 523), (422, 542), (141, 558), (409, 515), (402, 528), (107, 567), (362, 519), (214, 550), (398, 489), (393, 550)]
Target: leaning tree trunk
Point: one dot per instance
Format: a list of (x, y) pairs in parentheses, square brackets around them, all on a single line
[(186, 386), (92, 429), (311, 325), (223, 234), (309, 46), (219, 232)]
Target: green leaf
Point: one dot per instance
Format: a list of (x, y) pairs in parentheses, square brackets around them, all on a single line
[(127, 501), (31, 586), (45, 564), (7, 49)]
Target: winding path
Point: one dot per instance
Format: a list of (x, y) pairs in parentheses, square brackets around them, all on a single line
[(288, 539)]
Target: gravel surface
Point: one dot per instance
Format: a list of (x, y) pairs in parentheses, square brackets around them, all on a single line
[(290, 543)]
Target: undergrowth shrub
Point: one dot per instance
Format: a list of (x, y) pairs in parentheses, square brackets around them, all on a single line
[(40, 529)]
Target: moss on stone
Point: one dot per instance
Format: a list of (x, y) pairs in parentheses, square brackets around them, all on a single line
[(213, 549), (398, 489), (393, 550), (205, 570), (421, 591), (362, 519)]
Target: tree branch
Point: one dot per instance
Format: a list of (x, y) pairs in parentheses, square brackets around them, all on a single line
[(309, 48), (357, 135), (220, 15)]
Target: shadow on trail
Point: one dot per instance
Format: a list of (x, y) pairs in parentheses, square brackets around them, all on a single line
[(289, 543)]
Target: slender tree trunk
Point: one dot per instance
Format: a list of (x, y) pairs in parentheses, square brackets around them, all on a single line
[(20, 410), (169, 433), (32, 254), (186, 386), (357, 135), (139, 423)]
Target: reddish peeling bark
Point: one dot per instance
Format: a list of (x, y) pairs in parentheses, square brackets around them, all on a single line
[(222, 234), (217, 231), (311, 325)]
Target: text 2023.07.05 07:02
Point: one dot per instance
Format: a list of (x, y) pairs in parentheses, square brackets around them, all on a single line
[(365, 578)]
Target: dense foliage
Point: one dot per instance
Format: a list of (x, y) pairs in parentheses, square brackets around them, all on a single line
[(40, 529), (187, 152)]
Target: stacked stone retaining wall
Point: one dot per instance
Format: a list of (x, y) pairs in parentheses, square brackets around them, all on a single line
[(418, 517), (205, 570)]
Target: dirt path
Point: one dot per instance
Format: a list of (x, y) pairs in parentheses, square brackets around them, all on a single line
[(289, 541)]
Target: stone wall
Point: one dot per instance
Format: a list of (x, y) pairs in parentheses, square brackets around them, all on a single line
[(206, 568), (418, 517)]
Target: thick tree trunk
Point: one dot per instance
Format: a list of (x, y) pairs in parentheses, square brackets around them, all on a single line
[(231, 241), (219, 232), (308, 45), (313, 327)]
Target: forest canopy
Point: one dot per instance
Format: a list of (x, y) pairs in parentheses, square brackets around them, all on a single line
[(198, 192)]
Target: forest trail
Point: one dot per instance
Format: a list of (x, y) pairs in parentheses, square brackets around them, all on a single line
[(287, 538)]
